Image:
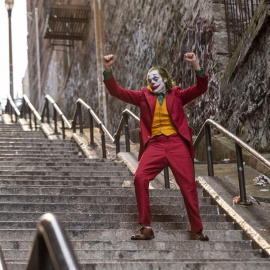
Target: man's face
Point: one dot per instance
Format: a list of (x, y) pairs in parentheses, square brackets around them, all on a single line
[(156, 82)]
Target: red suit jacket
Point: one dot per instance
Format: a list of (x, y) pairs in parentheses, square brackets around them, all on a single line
[(146, 100)]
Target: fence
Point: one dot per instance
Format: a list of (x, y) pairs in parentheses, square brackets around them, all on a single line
[(238, 17)]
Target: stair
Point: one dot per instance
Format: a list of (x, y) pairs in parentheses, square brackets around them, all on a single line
[(38, 175)]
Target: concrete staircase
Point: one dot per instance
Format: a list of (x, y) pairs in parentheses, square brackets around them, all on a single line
[(38, 175)]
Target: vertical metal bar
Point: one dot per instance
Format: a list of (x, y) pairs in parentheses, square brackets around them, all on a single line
[(233, 24), (246, 14), (91, 127), (10, 57), (24, 109), (63, 129), (7, 107), (252, 8), (35, 121), (80, 118), (237, 24), (127, 135), (30, 118), (209, 152), (2, 261), (241, 18), (55, 120), (43, 113), (103, 142), (74, 122), (48, 111), (166, 178), (241, 175), (11, 113), (117, 144), (249, 11)]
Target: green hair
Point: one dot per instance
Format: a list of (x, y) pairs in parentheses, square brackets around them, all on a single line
[(164, 73)]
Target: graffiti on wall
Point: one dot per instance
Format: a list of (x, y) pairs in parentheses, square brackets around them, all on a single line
[(199, 38)]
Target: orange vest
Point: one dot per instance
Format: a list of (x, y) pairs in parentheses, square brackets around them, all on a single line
[(162, 122)]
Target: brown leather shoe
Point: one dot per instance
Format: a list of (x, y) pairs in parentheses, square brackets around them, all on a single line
[(143, 234), (199, 236)]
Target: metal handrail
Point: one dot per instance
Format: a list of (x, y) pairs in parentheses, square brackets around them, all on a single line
[(124, 121), (27, 106), (92, 116), (239, 144), (2, 261), (12, 108), (51, 248), (56, 110)]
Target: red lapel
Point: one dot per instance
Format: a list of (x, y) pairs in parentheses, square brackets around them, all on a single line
[(151, 99), (169, 102)]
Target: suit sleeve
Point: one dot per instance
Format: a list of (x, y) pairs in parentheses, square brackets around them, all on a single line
[(194, 91), (126, 95)]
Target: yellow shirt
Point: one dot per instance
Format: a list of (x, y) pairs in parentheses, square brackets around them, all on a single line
[(162, 122)]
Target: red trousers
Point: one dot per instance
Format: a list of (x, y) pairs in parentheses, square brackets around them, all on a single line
[(163, 151)]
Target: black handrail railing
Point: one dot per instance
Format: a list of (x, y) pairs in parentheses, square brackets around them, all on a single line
[(124, 123), (56, 110), (11, 109), (2, 261), (51, 248), (92, 116), (239, 144), (28, 107)]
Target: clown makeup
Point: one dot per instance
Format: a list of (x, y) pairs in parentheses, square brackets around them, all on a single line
[(156, 82)]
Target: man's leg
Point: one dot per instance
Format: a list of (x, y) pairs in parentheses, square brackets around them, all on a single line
[(180, 162), (151, 163)]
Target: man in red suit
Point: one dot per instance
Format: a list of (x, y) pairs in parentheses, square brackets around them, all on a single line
[(165, 138)]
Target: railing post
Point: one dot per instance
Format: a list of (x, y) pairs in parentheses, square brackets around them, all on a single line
[(75, 119), (11, 113), (209, 152), (25, 113), (91, 127), (80, 118), (166, 178), (43, 113), (48, 111), (3, 265), (35, 121), (103, 142), (16, 117), (23, 109), (30, 118), (127, 135), (55, 120), (241, 176), (117, 144), (63, 129)]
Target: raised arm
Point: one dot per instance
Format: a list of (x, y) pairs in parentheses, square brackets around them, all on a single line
[(200, 87), (126, 95)]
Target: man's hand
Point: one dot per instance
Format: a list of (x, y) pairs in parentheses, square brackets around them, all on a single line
[(191, 58), (108, 62)]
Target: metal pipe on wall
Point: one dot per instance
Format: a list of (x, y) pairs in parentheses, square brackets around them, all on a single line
[(38, 58), (99, 34)]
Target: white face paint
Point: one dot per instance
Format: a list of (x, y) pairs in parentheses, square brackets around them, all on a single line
[(156, 82)]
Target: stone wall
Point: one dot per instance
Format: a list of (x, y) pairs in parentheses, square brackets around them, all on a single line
[(245, 102), (149, 33), (143, 33)]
